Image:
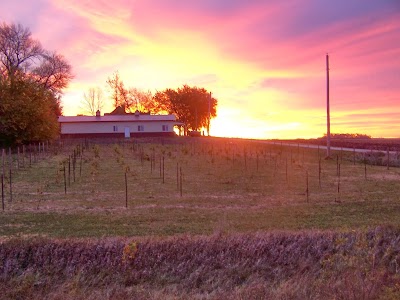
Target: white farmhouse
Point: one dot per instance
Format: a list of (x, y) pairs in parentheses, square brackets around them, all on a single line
[(117, 125)]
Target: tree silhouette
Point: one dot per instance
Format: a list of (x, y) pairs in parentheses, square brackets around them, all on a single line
[(192, 105), (28, 112), (92, 101), (120, 95), (31, 84)]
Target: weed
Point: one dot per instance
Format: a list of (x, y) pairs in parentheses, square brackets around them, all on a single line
[(129, 252)]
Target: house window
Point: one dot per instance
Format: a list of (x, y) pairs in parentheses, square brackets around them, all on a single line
[(115, 128), (165, 128), (140, 128)]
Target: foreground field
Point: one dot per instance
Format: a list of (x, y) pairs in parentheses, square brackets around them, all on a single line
[(302, 265), (199, 210)]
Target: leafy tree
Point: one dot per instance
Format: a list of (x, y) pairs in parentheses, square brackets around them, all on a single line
[(144, 101), (31, 84), (191, 105), (160, 102), (92, 101), (28, 112), (347, 136)]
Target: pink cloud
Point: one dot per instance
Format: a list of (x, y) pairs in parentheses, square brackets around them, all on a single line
[(282, 42)]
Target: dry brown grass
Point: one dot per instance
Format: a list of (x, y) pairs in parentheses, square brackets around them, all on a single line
[(280, 265)]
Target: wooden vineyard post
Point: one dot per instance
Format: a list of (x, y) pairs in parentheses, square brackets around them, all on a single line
[(338, 186), (3, 157), (245, 159), (73, 165), (126, 190), (151, 164), (307, 188), (2, 191), (65, 180), (319, 172), (287, 181), (23, 156), (9, 158), (34, 153), (163, 169), (10, 171), (180, 181), (257, 162), (341, 154), (177, 176), (365, 169), (11, 191), (291, 156), (37, 153), (69, 171), (80, 166), (337, 165), (17, 157), (388, 158)]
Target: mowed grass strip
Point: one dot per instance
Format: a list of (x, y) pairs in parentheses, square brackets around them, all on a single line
[(168, 221)]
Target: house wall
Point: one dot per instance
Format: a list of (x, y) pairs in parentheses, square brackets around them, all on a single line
[(116, 135), (115, 127)]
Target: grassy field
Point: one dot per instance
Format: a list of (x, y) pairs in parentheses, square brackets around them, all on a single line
[(227, 185), (199, 188)]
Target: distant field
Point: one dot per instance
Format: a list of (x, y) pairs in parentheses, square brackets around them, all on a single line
[(383, 144), (199, 218)]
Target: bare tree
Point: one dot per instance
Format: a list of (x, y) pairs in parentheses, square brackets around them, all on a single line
[(120, 95), (22, 55), (92, 101), (54, 73), (18, 50)]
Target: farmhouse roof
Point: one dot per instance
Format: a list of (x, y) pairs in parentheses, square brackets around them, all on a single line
[(117, 118), (120, 110)]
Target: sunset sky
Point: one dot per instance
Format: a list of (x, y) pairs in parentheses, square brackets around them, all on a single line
[(264, 60)]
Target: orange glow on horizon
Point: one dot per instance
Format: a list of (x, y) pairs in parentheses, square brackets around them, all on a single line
[(263, 61)]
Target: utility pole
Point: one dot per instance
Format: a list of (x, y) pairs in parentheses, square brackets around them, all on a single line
[(209, 115), (328, 117)]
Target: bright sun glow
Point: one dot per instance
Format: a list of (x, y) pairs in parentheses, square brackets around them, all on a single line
[(264, 61)]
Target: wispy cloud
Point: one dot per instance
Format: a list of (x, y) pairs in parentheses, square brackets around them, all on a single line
[(263, 60)]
